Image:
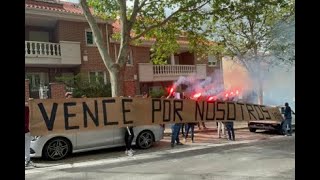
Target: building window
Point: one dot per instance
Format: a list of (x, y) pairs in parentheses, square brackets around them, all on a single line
[(89, 37), (130, 57), (98, 77), (212, 61)]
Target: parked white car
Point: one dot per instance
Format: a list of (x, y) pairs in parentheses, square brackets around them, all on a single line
[(58, 146)]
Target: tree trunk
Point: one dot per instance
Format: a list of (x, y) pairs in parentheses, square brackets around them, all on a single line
[(117, 80), (116, 69)]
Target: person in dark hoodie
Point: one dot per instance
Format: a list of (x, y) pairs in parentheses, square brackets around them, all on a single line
[(286, 126)]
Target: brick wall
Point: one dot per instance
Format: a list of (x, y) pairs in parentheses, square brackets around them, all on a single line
[(186, 58), (129, 88), (140, 55), (75, 31), (35, 28), (57, 90), (26, 89)]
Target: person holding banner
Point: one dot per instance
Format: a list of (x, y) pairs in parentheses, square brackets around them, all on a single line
[(286, 126), (175, 128), (145, 95), (221, 129), (68, 95), (188, 127), (27, 137), (128, 138), (230, 129)]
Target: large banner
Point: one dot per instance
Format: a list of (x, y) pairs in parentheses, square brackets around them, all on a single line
[(81, 114)]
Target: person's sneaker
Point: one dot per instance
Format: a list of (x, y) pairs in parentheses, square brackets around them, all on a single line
[(132, 150), (172, 145), (130, 153), (28, 163), (126, 152), (179, 143)]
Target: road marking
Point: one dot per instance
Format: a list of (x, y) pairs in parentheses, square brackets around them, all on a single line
[(144, 156)]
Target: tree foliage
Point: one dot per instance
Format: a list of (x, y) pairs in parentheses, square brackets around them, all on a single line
[(283, 45), (80, 86), (247, 27), (249, 30), (161, 21), (242, 28)]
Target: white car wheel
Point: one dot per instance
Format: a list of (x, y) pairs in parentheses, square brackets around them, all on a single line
[(57, 148), (145, 140)]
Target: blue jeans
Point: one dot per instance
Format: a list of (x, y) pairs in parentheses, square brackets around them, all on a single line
[(175, 133), (287, 122), (229, 126), (189, 126)]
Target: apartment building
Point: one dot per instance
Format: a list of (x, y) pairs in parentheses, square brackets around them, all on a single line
[(58, 41)]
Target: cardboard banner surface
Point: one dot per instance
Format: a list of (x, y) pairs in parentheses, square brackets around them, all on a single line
[(82, 114)]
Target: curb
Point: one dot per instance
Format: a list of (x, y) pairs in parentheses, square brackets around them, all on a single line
[(142, 156), (215, 130), (210, 130)]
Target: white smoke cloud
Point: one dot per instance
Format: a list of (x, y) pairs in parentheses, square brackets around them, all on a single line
[(210, 86), (278, 83), (279, 86)]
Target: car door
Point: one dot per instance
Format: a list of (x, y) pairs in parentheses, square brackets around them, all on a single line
[(95, 138), (118, 135)]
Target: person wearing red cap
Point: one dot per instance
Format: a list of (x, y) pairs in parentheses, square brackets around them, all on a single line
[(68, 95)]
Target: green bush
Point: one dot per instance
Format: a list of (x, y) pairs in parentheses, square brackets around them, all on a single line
[(79, 85), (157, 93)]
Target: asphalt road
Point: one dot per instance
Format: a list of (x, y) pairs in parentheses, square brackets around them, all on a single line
[(264, 159)]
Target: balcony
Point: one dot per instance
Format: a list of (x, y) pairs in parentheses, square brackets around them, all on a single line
[(65, 53), (151, 73)]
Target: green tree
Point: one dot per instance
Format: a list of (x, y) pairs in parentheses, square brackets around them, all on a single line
[(246, 29), (80, 85), (283, 44), (149, 19)]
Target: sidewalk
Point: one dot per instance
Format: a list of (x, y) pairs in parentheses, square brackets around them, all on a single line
[(211, 127)]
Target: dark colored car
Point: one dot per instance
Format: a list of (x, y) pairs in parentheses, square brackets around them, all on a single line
[(270, 125)]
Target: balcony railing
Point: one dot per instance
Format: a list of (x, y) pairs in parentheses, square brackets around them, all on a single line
[(159, 70), (42, 49), (149, 72), (52, 54)]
